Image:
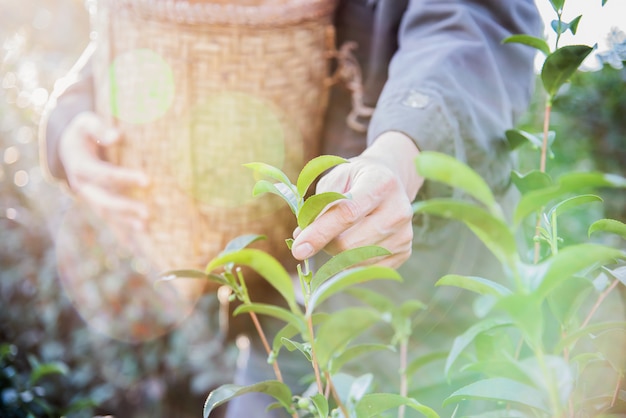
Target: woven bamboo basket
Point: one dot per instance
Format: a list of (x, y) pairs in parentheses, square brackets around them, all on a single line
[(200, 87)]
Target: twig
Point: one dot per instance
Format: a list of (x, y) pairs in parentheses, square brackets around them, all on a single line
[(542, 168), (601, 298), (616, 391), (340, 404), (257, 325), (316, 368)]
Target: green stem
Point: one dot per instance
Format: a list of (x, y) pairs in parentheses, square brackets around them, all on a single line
[(403, 377), (554, 239)]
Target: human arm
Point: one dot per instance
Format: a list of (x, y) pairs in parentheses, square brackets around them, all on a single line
[(452, 87)]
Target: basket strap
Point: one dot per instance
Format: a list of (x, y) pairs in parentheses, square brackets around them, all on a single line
[(349, 74)]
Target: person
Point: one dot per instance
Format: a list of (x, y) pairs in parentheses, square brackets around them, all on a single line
[(440, 79)]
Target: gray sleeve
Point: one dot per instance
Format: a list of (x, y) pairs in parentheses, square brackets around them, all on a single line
[(73, 94), (453, 86)]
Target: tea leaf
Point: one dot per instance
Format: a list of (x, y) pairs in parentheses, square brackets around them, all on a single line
[(344, 260), (475, 284), (462, 341), (422, 361), (285, 193), (568, 183), (525, 311), (348, 278), (572, 260), (269, 171), (573, 202), (290, 330), (353, 352), (561, 65), (191, 274), (573, 25), (264, 264), (47, 369), (294, 345), (374, 299), (568, 297), (314, 205), (500, 389), (528, 40), (321, 404), (359, 388), (374, 404), (339, 329), (533, 180), (273, 311), (314, 168), (608, 225), (611, 344), (559, 27), (557, 5), (446, 169), (510, 369), (572, 338), (242, 242), (492, 231), (225, 393)]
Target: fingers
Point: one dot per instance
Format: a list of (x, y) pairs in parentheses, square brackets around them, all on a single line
[(378, 213), (105, 187)]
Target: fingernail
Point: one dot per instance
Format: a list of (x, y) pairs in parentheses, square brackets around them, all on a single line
[(302, 251), (296, 232)]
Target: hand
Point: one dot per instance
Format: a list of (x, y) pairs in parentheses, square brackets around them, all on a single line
[(382, 182), (103, 186)]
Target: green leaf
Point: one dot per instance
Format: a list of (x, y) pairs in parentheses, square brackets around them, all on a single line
[(374, 404), (573, 25), (446, 169), (321, 404), (572, 338), (557, 5), (570, 261), (289, 331), (510, 369), (225, 393), (359, 388), (275, 312), (568, 183), (191, 274), (531, 41), (464, 340), (339, 329), (604, 2), (285, 193), (492, 231), (242, 241), (269, 171), (500, 389), (611, 344), (346, 259), (264, 264), (608, 225), (525, 310), (314, 168), (355, 351), (348, 278), (291, 345), (374, 299), (422, 361), (559, 27), (475, 284), (573, 202), (568, 297), (533, 180), (46, 369), (500, 413), (314, 205), (561, 65)]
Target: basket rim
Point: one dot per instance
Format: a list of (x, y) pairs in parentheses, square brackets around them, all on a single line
[(198, 12)]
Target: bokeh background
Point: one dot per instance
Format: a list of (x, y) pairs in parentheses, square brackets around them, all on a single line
[(55, 357)]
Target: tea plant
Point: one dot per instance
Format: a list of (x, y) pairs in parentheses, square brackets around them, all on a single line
[(537, 343), (326, 341)]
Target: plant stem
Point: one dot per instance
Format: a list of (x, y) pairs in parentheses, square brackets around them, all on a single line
[(259, 330), (340, 404), (601, 298), (552, 390), (316, 368), (616, 391), (403, 376), (542, 168)]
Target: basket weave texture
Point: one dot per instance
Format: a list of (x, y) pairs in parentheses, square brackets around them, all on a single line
[(199, 88)]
